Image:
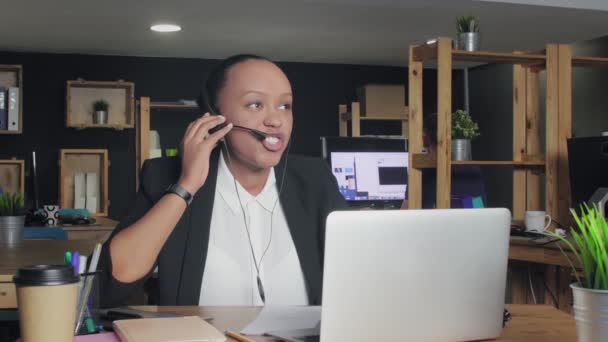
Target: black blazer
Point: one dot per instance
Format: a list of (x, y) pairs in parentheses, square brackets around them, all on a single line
[(309, 194)]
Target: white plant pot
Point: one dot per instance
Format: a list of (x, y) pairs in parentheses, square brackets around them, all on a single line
[(100, 117), (11, 230), (461, 149), (590, 310), (469, 41)]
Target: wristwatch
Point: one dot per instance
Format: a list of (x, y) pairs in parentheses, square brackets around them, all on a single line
[(181, 192)]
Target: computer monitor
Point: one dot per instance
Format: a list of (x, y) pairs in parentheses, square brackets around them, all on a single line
[(588, 161), (369, 171)]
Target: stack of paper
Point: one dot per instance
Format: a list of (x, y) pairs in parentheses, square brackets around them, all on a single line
[(284, 318)]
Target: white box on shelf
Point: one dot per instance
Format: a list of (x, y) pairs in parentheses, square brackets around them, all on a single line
[(92, 205), (79, 190), (92, 192)]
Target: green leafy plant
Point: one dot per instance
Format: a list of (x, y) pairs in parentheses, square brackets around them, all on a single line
[(11, 204), (467, 23), (590, 247), (463, 127), (101, 105)]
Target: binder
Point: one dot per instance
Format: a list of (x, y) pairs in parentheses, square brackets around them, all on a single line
[(13, 109), (3, 110), (79, 190), (92, 192)]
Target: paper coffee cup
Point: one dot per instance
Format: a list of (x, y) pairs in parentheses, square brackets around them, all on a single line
[(46, 298)]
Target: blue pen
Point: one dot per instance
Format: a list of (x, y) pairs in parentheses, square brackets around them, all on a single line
[(76, 262)]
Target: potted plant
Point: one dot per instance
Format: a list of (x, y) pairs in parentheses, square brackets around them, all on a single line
[(468, 33), (464, 129), (100, 112), (12, 219), (590, 248)]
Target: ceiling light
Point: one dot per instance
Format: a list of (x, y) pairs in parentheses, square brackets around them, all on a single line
[(165, 28)]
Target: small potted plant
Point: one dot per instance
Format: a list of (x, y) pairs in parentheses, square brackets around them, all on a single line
[(589, 245), (12, 219), (464, 129), (100, 112), (468, 33)]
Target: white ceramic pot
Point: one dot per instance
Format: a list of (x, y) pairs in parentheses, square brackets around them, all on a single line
[(11, 230), (590, 310), (461, 149)]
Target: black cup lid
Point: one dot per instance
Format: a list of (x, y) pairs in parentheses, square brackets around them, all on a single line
[(39, 275)]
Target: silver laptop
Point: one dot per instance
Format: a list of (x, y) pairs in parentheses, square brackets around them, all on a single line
[(414, 275)]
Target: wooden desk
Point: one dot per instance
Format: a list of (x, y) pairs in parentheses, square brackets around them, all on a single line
[(33, 252), (529, 322), (527, 256), (524, 249), (99, 231)]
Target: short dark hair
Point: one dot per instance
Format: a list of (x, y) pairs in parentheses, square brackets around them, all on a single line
[(216, 80)]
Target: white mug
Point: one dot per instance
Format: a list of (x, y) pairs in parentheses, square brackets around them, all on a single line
[(535, 221), (51, 215)]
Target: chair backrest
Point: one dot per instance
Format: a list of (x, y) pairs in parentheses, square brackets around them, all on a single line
[(44, 233), (467, 181)]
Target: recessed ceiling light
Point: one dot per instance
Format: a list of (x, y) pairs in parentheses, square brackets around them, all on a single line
[(165, 28)]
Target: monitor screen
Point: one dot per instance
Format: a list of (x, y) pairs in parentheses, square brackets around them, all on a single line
[(588, 161), (370, 176), (368, 169)]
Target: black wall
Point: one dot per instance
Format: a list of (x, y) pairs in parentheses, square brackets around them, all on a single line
[(318, 89), (589, 88), (490, 96)]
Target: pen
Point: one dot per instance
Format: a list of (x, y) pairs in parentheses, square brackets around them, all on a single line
[(237, 336), (88, 283), (82, 265), (76, 261), (67, 258)]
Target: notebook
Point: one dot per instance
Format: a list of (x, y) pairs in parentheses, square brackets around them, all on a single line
[(174, 329)]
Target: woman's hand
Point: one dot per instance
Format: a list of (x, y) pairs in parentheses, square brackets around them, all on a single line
[(196, 147)]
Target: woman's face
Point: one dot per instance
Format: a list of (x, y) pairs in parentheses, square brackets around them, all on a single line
[(257, 95)]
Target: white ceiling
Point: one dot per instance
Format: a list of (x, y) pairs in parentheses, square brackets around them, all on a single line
[(334, 31)]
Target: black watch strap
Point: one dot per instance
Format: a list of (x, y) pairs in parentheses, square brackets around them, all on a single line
[(181, 192)]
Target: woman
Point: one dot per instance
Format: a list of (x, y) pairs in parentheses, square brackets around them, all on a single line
[(254, 229)]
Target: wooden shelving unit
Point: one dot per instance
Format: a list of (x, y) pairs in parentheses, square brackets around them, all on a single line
[(354, 116), (590, 61), (422, 53), (81, 95), (528, 160), (522, 163), (72, 161), (12, 175), (527, 157), (165, 105), (12, 76), (142, 132), (426, 161)]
